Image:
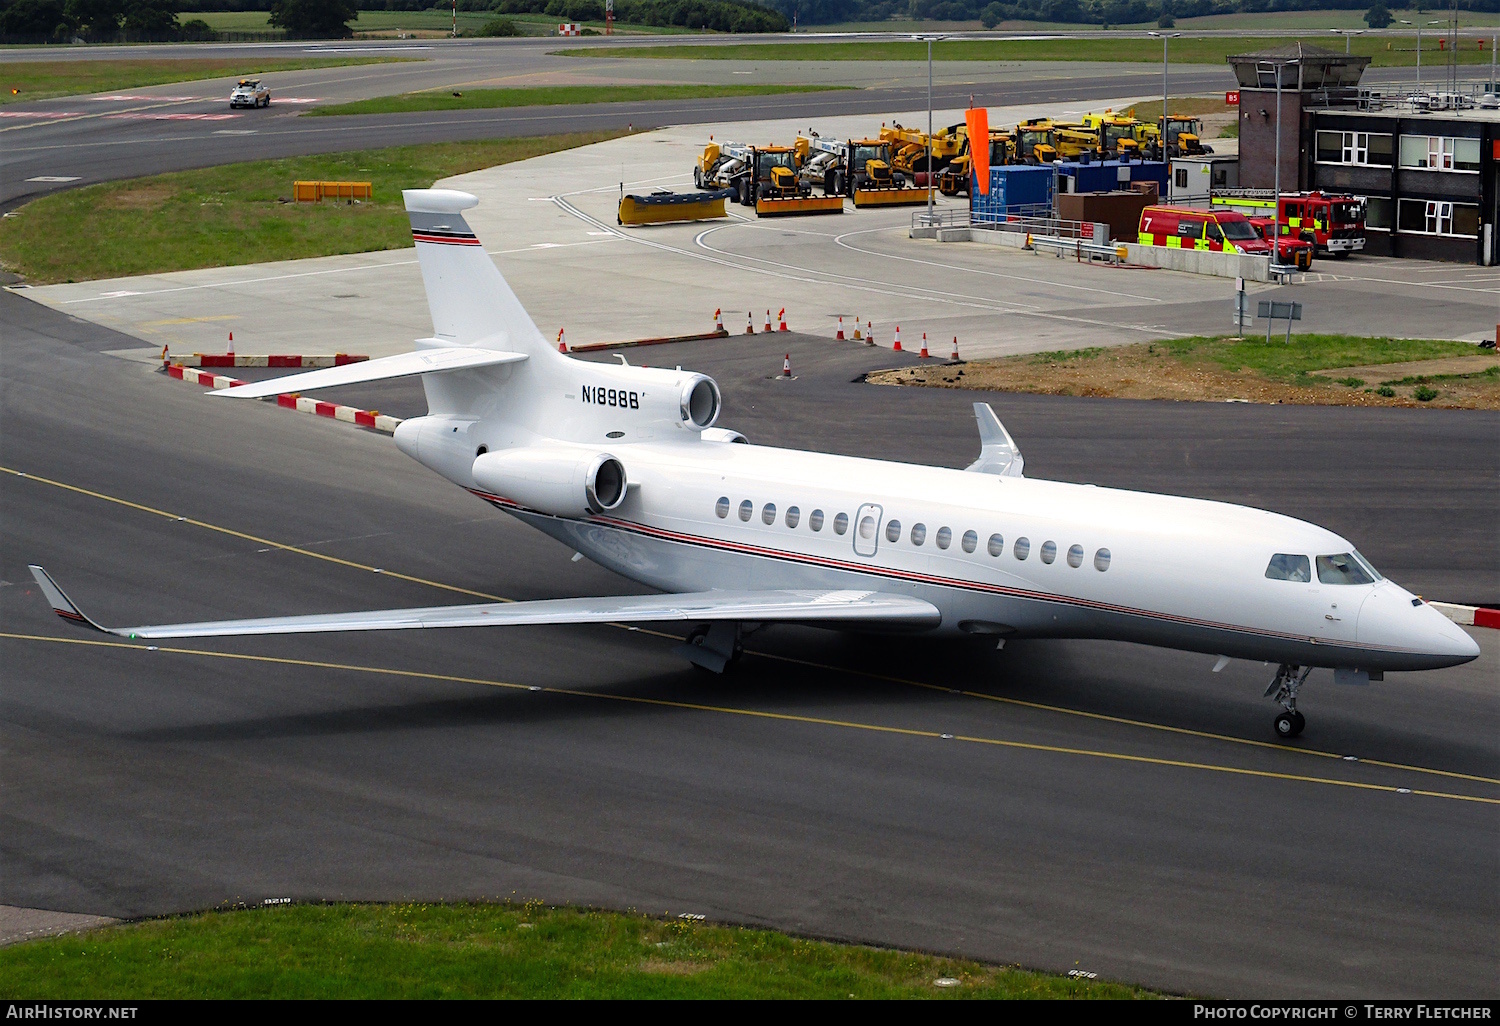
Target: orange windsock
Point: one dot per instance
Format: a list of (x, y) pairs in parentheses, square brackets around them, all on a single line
[(978, 121)]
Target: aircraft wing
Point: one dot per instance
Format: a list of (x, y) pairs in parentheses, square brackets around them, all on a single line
[(851, 607), (422, 361)]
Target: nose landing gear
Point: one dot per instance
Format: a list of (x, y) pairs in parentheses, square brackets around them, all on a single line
[(1283, 689)]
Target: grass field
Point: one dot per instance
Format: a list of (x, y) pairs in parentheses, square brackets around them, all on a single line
[(1358, 371), (37, 80), (1271, 21), (550, 95), (488, 951), (1203, 50), (240, 213)]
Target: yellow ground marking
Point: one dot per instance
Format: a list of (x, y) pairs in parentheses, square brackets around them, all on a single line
[(819, 721), (810, 664)]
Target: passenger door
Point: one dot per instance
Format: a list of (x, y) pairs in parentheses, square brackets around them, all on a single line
[(867, 529)]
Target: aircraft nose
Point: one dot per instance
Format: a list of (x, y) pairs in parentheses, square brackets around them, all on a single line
[(1389, 619)]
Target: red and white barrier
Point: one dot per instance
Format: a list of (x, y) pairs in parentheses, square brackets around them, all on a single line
[(1468, 616), (292, 401), (288, 362)]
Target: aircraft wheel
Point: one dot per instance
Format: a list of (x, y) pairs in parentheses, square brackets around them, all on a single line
[(1289, 724)]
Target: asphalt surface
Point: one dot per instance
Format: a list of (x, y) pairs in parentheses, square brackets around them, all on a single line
[(1109, 825)]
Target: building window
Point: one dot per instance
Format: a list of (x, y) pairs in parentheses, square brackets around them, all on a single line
[(1364, 149), (1181, 176), (1439, 217), (1380, 213), (1440, 153)]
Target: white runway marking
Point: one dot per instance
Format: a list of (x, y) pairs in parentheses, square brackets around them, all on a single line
[(54, 178)]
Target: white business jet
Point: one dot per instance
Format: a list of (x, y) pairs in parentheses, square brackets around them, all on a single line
[(624, 465)]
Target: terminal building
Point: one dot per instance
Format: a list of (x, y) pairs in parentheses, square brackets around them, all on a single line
[(1425, 164)]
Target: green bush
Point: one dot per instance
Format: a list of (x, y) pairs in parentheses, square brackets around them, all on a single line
[(1352, 382), (498, 27), (1423, 394), (1386, 390)]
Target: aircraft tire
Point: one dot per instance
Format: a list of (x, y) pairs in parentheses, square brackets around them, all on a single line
[(1289, 725)]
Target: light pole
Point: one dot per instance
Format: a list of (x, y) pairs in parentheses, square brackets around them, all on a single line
[(1348, 34), (1277, 68), (1162, 138), (1419, 25), (929, 40)]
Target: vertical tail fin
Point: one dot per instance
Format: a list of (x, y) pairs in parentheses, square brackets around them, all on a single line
[(469, 298)]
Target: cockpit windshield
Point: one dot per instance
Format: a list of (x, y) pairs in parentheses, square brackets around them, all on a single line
[(1346, 568), (1289, 567), (862, 154), (769, 160)]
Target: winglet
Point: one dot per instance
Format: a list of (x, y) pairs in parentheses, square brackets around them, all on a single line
[(999, 453), (61, 604)]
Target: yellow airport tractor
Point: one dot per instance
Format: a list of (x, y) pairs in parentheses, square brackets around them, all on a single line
[(1118, 135), (1184, 136), (766, 179), (909, 153), (1036, 141), (861, 169), (954, 180)]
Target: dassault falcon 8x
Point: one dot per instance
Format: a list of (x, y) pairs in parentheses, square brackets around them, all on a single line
[(626, 466)]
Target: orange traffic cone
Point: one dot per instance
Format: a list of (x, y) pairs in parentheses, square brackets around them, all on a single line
[(840, 336), (231, 343), (924, 354), (786, 366), (954, 357), (749, 322), (859, 336), (781, 320), (562, 341), (718, 320), (768, 320), (897, 346), (869, 334)]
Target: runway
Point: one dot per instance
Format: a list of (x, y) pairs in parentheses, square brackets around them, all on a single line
[(1104, 807)]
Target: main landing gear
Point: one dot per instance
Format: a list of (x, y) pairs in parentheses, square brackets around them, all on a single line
[(714, 647), (1283, 689)]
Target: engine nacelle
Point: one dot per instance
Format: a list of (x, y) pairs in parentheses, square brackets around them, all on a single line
[(564, 481), (640, 403)]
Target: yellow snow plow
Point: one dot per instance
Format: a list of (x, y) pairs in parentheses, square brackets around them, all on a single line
[(669, 207)]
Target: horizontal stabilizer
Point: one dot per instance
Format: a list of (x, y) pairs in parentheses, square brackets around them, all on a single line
[(423, 361), (846, 607)]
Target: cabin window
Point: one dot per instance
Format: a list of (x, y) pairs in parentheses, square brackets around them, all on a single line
[(1342, 569), (841, 523), (746, 508), (815, 520), (793, 515), (918, 533), (1049, 551), (892, 530), (867, 528), (1022, 548), (944, 538), (997, 544), (1075, 556), (722, 507), (1285, 567), (971, 541), (1101, 560), (768, 513)]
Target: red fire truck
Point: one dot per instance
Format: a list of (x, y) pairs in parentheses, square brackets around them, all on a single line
[(1333, 224)]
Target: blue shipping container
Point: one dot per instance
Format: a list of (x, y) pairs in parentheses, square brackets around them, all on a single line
[(1104, 176), (1012, 186)]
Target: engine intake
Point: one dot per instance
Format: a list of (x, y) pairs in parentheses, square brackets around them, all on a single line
[(561, 481)]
